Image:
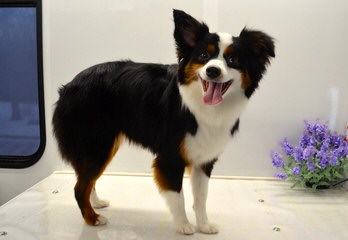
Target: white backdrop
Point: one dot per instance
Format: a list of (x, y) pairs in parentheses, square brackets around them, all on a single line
[(306, 80)]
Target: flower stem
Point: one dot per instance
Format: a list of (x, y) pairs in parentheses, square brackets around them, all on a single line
[(340, 182)]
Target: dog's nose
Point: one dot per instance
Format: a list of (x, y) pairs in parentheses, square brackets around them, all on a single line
[(213, 72)]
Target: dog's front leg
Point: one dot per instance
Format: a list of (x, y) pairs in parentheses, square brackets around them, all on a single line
[(200, 178), (168, 175), (176, 204)]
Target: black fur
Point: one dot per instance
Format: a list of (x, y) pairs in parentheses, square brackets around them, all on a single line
[(188, 33), (208, 167), (253, 49), (235, 128), (97, 106)]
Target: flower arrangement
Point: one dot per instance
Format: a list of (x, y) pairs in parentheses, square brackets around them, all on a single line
[(319, 160)]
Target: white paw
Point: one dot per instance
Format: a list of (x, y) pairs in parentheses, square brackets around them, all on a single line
[(208, 228), (100, 203), (96, 201), (187, 229), (101, 221)]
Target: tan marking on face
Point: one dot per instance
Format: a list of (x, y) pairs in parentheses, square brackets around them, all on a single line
[(211, 49), (228, 51), (246, 81), (191, 70)]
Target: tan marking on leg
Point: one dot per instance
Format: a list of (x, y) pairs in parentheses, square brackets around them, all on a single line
[(83, 190), (89, 214), (116, 145), (183, 153), (160, 180)]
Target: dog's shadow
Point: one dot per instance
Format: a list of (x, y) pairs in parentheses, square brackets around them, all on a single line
[(131, 224)]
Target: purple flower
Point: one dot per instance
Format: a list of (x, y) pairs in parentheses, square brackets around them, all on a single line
[(343, 143), (335, 141), (296, 170), (342, 150), (281, 175), (333, 158), (323, 159), (345, 151), (319, 155), (308, 152), (298, 154), (287, 147), (312, 141), (311, 167), (305, 141), (319, 131), (338, 153), (277, 160), (309, 128), (325, 146)]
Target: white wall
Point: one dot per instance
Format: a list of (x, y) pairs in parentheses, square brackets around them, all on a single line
[(307, 79)]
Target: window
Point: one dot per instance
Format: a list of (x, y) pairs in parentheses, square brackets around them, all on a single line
[(22, 129)]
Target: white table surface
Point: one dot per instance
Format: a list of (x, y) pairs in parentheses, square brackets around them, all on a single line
[(242, 208)]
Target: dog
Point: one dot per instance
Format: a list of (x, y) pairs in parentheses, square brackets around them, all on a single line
[(184, 113)]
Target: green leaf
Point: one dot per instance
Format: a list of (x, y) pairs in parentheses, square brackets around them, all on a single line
[(324, 184), (327, 174), (296, 183), (337, 175)]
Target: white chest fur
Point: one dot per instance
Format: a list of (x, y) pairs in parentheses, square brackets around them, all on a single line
[(214, 123), (207, 144)]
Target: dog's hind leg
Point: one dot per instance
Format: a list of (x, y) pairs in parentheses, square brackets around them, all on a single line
[(85, 194), (96, 201), (83, 189)]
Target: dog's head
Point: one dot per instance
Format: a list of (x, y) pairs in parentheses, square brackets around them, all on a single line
[(219, 64)]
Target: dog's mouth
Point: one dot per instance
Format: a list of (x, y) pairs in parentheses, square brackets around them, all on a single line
[(214, 91)]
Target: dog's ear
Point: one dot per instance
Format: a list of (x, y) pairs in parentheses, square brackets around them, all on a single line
[(257, 44), (188, 32), (257, 49)]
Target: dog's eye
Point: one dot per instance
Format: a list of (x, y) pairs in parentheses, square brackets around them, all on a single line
[(204, 56), (233, 61)]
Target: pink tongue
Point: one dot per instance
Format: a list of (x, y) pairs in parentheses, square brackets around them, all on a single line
[(213, 94)]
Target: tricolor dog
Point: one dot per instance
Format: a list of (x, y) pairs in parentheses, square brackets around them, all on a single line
[(184, 113)]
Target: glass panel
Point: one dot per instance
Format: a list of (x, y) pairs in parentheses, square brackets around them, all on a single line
[(19, 97)]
